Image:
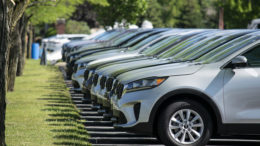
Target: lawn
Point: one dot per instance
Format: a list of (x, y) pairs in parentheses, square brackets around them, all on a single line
[(40, 111)]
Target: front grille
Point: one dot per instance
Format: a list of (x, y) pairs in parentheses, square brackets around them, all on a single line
[(102, 82), (109, 84), (119, 90), (86, 73), (95, 79), (113, 90)]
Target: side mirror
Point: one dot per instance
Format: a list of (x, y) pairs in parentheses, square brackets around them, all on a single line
[(239, 61)]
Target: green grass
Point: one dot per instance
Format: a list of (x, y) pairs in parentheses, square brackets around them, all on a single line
[(40, 111)]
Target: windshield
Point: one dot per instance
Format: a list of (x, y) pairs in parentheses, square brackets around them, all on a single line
[(143, 42), (180, 46), (136, 39), (158, 47), (109, 35), (126, 36), (207, 47), (227, 49), (98, 37)]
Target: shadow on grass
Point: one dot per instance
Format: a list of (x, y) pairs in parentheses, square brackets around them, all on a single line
[(63, 116)]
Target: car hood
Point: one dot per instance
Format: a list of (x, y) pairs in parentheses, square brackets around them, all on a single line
[(81, 42), (87, 47), (96, 56), (117, 69), (175, 69), (110, 59)]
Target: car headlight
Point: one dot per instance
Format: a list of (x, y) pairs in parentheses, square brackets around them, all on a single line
[(145, 83)]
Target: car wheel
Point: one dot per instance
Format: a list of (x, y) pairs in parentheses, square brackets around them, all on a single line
[(184, 123)]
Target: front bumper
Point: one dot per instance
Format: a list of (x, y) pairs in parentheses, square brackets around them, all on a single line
[(78, 77), (136, 107)]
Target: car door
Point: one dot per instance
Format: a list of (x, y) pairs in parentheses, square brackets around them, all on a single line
[(242, 90)]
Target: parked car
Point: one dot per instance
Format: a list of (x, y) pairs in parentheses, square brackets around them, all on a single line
[(185, 51), (54, 44), (183, 86), (72, 53), (128, 39), (161, 41), (138, 41), (185, 104)]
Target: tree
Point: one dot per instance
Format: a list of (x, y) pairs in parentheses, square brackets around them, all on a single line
[(86, 12), (239, 13), (77, 27), (153, 13), (39, 12), (121, 10), (183, 14), (10, 13)]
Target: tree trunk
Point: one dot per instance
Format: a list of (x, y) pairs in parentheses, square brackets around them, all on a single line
[(4, 31), (7, 21), (13, 56), (29, 43), (22, 55), (221, 18)]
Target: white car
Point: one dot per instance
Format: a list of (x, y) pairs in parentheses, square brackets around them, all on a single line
[(54, 44)]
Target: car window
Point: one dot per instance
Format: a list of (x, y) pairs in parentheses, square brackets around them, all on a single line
[(109, 36), (75, 38), (161, 45), (143, 42), (208, 47), (253, 57), (179, 47), (227, 49), (195, 47), (102, 35), (125, 37), (140, 37)]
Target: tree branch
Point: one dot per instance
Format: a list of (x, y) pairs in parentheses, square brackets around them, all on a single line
[(18, 11), (12, 1)]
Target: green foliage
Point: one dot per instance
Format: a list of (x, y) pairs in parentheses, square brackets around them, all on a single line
[(239, 13), (50, 10), (119, 10), (153, 13), (178, 13), (50, 32), (77, 27)]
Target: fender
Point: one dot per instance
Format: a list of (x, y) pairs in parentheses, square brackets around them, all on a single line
[(198, 94)]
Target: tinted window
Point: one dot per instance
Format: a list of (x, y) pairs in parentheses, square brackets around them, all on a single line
[(227, 49), (194, 48), (179, 47), (76, 38), (125, 37), (161, 45), (143, 42), (109, 35), (253, 57)]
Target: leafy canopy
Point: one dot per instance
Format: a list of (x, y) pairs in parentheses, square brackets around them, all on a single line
[(48, 11), (77, 27), (239, 13), (119, 10)]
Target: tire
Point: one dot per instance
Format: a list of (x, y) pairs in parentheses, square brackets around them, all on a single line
[(203, 125)]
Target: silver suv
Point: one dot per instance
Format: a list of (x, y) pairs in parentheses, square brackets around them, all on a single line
[(185, 103)]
